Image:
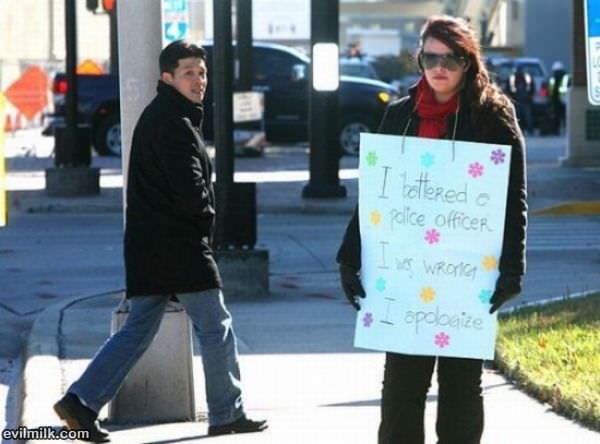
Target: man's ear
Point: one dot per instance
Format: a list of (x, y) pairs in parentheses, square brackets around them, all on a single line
[(166, 77)]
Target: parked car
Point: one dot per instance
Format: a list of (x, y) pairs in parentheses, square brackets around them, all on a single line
[(280, 72), (97, 105), (501, 68), (357, 67)]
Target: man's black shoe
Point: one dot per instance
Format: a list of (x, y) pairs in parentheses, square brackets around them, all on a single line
[(79, 417), (242, 425)]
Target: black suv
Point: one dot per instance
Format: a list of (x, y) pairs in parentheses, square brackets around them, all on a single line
[(281, 73)]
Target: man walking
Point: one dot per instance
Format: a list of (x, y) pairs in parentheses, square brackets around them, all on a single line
[(170, 222)]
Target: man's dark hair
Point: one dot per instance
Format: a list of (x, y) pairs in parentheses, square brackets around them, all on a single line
[(177, 50)]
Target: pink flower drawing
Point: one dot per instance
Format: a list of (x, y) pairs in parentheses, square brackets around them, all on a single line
[(432, 236), (367, 320), (442, 340), (475, 170), (497, 156)]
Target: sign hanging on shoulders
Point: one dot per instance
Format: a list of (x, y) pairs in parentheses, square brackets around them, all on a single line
[(431, 217)]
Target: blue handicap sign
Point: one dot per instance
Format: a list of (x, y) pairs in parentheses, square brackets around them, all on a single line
[(175, 31)]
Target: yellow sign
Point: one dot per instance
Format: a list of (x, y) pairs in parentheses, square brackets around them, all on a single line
[(3, 206)]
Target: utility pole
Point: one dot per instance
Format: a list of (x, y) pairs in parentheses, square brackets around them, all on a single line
[(114, 40), (244, 44), (324, 152), (71, 72), (223, 89), (72, 175)]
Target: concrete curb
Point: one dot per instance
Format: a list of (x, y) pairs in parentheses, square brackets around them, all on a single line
[(574, 208), (87, 206), (511, 310), (42, 378)]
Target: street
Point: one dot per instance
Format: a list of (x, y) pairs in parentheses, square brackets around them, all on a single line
[(48, 257)]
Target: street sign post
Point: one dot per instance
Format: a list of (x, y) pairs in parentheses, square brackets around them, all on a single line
[(175, 19), (3, 203), (592, 49)]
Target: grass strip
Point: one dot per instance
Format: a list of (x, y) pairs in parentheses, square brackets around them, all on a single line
[(553, 353)]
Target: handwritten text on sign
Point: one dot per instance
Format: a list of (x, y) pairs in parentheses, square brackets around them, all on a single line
[(431, 223)]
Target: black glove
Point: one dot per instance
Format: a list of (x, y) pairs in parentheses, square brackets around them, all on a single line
[(351, 285), (508, 286)]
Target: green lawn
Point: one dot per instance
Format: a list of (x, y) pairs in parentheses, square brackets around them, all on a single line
[(553, 353)]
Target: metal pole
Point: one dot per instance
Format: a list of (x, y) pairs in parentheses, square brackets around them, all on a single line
[(579, 61), (324, 155), (114, 41), (222, 77), (244, 44), (51, 52), (71, 67)]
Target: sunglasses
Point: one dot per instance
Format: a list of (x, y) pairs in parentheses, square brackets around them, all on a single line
[(451, 62)]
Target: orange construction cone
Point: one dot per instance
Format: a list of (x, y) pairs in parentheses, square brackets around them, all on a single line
[(18, 123)]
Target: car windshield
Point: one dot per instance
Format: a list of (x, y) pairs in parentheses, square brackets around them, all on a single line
[(504, 70), (358, 70)]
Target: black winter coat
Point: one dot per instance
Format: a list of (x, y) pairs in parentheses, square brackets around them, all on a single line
[(489, 128), (170, 201)]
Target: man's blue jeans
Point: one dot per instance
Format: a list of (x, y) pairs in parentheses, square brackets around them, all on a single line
[(213, 326)]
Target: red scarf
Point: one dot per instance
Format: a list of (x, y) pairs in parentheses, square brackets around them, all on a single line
[(433, 114)]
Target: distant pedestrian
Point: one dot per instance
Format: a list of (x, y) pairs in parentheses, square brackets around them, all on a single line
[(522, 89), (454, 99), (355, 50), (559, 86), (170, 222)]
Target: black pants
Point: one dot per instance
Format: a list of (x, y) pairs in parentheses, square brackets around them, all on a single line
[(460, 405)]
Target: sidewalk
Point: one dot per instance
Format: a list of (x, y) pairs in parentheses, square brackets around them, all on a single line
[(326, 396), (299, 368)]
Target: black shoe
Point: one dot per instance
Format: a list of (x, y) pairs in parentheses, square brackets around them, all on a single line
[(79, 417), (242, 425)]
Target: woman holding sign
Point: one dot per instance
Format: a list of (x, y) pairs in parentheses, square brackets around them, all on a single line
[(454, 99)]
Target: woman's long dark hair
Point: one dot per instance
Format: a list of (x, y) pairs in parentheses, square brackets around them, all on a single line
[(478, 91)]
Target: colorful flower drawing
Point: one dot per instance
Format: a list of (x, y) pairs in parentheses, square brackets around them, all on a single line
[(381, 284), (489, 263), (442, 340), (375, 217), (367, 320), (432, 236), (475, 170), (372, 158), (498, 156), (485, 296), (427, 294), (427, 160)]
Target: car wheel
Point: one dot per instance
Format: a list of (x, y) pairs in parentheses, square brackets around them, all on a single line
[(107, 139), (349, 136)]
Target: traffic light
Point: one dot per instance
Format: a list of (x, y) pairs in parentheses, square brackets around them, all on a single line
[(109, 5), (91, 5)]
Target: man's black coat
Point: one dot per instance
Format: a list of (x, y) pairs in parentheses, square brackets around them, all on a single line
[(170, 201)]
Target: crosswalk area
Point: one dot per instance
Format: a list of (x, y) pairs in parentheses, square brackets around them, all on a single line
[(567, 233)]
